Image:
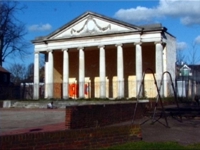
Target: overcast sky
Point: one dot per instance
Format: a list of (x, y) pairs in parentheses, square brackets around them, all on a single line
[(180, 17)]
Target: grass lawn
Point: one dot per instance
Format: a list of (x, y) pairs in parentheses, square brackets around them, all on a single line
[(154, 146)]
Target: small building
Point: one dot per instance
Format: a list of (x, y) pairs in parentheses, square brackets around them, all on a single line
[(188, 80), (4, 83), (4, 76), (95, 56)]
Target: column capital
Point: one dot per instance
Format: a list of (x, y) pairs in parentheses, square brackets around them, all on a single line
[(36, 52), (119, 44), (137, 43), (49, 50), (101, 46), (79, 48), (65, 49), (158, 42)]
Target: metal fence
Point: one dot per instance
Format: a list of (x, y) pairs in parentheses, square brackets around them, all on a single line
[(185, 89), (16, 92), (9, 92)]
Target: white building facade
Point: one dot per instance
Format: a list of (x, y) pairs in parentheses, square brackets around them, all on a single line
[(97, 56)]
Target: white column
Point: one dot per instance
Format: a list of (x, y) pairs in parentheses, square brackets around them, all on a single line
[(159, 64), (166, 77), (138, 58), (81, 72), (120, 71), (65, 74), (36, 75), (102, 71), (46, 75), (50, 69)]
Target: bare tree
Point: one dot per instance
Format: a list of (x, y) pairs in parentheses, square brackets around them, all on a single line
[(21, 75), (30, 73), (18, 73), (179, 57), (12, 31), (193, 60), (194, 56)]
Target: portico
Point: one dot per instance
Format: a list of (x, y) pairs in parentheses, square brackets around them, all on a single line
[(96, 56)]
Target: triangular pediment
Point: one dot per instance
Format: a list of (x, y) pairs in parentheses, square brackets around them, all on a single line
[(185, 67), (90, 24)]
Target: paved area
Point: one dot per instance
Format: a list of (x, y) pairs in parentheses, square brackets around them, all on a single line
[(15, 120), (185, 132)]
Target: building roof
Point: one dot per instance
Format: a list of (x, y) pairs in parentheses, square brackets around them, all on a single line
[(185, 67), (3, 70)]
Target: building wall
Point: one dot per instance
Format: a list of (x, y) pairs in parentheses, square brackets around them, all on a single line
[(4, 78), (58, 73), (89, 116), (149, 62), (171, 54), (170, 60), (148, 55), (92, 68)]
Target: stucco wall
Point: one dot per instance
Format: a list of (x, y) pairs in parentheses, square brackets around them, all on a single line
[(170, 61), (171, 54)]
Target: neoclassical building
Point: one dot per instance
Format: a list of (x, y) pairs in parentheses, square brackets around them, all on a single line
[(95, 56)]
